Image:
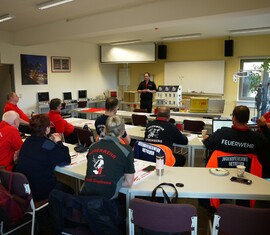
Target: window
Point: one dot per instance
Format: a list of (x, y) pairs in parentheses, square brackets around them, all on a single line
[(250, 76)]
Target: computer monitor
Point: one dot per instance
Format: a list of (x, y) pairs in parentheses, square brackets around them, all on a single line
[(43, 97), (67, 96), (218, 123), (82, 94)]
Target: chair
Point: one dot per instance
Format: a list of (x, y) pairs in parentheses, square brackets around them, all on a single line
[(20, 188), (140, 110), (82, 104), (161, 217), (193, 126), (231, 160), (147, 152), (85, 136), (139, 120), (235, 220)]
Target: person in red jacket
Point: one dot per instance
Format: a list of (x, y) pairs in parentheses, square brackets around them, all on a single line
[(60, 124), (10, 139), (267, 118)]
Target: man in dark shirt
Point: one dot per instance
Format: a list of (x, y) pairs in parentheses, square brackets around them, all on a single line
[(146, 88), (161, 131), (111, 107)]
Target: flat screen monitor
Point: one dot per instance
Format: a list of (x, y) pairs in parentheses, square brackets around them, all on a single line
[(43, 97), (218, 123), (67, 96), (82, 94)]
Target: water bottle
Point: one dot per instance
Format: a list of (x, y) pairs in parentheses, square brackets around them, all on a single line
[(160, 164)]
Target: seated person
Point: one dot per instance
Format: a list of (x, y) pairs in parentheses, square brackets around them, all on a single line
[(111, 107), (39, 156), (267, 118), (11, 104), (110, 164), (161, 131), (239, 138), (10, 139), (60, 124)]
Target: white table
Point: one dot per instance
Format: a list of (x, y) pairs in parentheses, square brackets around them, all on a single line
[(198, 183), (137, 132)]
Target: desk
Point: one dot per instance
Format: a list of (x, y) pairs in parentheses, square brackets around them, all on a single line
[(44, 108), (137, 132), (210, 115), (198, 183)]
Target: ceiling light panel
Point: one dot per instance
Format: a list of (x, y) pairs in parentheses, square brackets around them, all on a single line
[(6, 17), (53, 3)]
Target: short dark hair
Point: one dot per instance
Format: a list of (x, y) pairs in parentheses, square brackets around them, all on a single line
[(54, 103), (241, 114), (164, 112), (38, 124), (111, 103), (147, 73)]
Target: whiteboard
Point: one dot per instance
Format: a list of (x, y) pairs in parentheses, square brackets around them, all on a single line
[(144, 52), (196, 76)]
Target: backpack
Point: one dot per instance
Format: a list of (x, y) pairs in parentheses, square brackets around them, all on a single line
[(11, 210)]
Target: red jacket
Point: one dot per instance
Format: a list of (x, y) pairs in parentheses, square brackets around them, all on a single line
[(10, 142), (60, 124), (13, 107)]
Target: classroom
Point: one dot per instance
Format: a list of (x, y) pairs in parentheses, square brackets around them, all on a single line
[(200, 45)]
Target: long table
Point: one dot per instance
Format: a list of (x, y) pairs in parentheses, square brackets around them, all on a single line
[(137, 132), (198, 183)]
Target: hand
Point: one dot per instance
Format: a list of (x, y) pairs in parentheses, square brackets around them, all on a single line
[(205, 137), (55, 137)]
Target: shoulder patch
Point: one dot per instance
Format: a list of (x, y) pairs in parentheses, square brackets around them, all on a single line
[(48, 145)]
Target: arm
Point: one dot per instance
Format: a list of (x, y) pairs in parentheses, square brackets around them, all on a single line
[(128, 180), (126, 138), (178, 137)]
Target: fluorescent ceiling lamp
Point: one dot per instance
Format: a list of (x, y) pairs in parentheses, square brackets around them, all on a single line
[(252, 30), (53, 3), (125, 42), (6, 17), (183, 36)]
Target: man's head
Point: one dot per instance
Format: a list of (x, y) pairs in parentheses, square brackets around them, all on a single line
[(55, 104), (241, 114), (115, 126), (146, 76), (111, 104), (12, 118), (12, 97), (164, 112)]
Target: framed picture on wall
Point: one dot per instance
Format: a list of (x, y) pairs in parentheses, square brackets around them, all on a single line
[(61, 64)]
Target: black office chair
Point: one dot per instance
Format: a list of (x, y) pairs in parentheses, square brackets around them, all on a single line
[(139, 120), (193, 126), (82, 104)]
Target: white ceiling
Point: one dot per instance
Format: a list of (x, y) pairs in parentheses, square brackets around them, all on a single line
[(104, 21)]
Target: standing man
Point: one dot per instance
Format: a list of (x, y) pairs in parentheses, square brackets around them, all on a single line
[(146, 88), (161, 131), (111, 107), (10, 139)]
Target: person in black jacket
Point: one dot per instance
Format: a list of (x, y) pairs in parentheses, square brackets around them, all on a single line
[(38, 157), (161, 131), (146, 88)]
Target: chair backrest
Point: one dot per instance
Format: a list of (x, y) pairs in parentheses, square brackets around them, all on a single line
[(140, 110), (161, 217), (85, 136), (193, 126), (139, 120), (147, 152), (231, 160), (235, 220), (82, 104)]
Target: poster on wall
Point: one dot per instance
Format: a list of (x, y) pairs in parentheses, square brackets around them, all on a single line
[(34, 70)]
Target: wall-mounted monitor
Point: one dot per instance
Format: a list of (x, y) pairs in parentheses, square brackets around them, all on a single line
[(43, 97), (67, 96), (82, 94)]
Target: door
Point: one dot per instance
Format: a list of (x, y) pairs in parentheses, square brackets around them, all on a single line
[(7, 84)]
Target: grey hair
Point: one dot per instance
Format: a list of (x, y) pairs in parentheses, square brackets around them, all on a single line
[(10, 117), (115, 126)]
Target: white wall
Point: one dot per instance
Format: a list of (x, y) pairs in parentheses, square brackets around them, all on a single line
[(86, 71)]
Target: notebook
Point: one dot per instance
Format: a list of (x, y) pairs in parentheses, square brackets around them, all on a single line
[(218, 123)]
